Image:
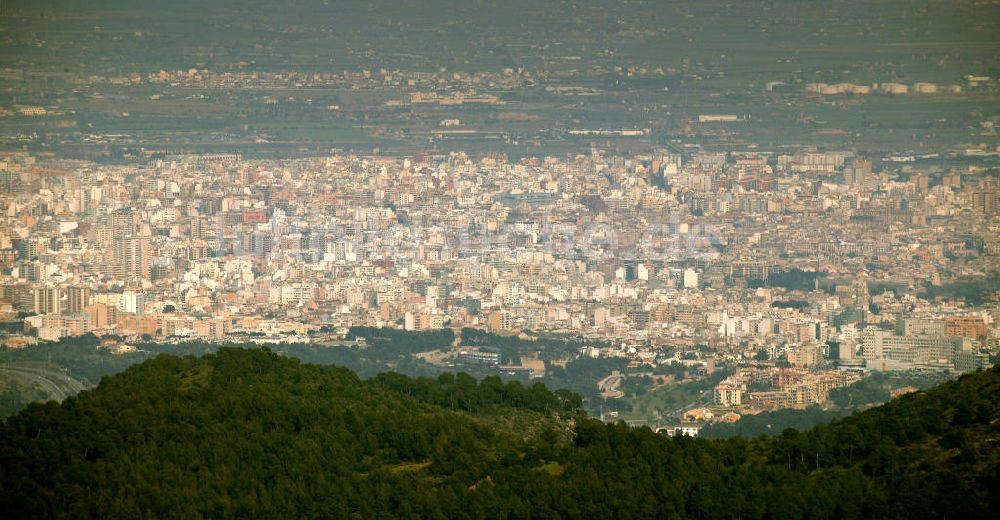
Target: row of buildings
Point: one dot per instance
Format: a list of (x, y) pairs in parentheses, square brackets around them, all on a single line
[(747, 252)]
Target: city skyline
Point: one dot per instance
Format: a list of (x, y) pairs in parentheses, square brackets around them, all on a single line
[(445, 258)]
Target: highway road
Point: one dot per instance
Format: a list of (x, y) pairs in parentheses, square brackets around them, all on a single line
[(57, 384), (611, 386)]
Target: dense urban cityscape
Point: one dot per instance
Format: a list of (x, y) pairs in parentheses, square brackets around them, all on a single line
[(748, 260), (499, 259)]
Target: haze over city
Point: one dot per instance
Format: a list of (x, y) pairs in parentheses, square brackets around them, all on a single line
[(517, 259)]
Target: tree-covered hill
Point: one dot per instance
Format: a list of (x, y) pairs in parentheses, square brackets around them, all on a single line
[(248, 433)]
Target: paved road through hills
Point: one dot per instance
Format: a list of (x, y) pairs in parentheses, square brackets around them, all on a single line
[(57, 384)]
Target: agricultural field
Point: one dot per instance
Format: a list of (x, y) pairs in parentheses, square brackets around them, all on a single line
[(561, 76)]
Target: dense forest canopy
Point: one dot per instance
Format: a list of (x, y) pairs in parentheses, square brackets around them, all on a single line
[(251, 433), (368, 352)]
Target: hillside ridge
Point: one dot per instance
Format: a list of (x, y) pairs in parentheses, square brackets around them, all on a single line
[(251, 433)]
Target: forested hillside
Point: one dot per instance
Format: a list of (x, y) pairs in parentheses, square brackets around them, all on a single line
[(248, 433)]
